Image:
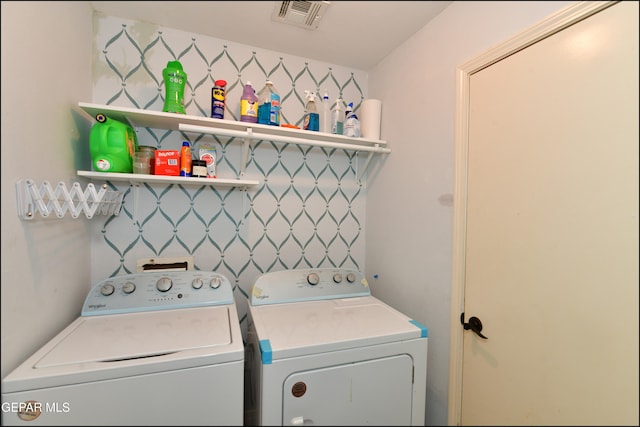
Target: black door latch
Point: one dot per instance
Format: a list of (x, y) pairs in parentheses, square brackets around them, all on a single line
[(474, 324)]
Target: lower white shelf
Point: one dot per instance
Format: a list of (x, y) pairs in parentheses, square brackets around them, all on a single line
[(138, 178)]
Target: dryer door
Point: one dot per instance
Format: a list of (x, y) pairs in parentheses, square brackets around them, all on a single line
[(376, 392)]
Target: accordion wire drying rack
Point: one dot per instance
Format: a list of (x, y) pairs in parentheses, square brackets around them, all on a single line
[(60, 200)]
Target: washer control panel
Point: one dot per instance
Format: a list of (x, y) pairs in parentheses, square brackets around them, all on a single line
[(157, 290), (308, 285)]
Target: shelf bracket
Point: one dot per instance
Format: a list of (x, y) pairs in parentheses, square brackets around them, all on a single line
[(135, 189), (366, 165), (59, 200), (245, 151)]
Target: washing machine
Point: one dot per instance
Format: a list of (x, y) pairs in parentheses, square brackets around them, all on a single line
[(152, 348), (322, 350)]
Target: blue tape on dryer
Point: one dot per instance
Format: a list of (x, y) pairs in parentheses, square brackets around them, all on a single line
[(424, 331), (266, 354)]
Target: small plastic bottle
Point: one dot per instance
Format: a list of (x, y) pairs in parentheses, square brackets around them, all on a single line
[(185, 159), (249, 104), (311, 115), (269, 105), (175, 80), (351, 123), (337, 117), (325, 114)]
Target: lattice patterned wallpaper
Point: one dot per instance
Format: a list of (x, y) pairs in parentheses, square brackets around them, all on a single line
[(308, 209)]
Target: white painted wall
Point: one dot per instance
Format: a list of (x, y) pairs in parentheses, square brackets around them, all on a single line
[(46, 63), (409, 199)]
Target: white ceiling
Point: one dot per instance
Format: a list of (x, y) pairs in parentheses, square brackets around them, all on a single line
[(355, 34)]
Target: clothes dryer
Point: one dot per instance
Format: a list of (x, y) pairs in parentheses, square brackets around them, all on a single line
[(322, 350), (153, 348)]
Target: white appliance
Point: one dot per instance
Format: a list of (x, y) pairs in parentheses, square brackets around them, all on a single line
[(153, 348), (322, 350)]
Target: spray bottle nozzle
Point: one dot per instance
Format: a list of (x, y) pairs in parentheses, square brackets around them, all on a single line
[(310, 95)]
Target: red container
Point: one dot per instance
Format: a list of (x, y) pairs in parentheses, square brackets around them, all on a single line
[(167, 162)]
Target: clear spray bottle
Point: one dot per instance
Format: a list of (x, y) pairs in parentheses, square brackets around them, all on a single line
[(311, 116), (325, 114), (337, 117)]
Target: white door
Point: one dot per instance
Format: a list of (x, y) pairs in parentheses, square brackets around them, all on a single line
[(546, 234)]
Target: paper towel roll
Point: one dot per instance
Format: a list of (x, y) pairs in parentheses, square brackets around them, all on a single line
[(370, 114)]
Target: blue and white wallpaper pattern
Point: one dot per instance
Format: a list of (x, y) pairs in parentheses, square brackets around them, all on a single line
[(308, 209)]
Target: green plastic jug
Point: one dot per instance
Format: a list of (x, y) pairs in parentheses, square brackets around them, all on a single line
[(111, 145)]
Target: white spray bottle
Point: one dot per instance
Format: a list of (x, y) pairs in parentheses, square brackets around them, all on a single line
[(311, 115)]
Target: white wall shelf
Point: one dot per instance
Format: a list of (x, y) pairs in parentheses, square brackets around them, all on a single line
[(173, 121), (135, 179), (247, 131)]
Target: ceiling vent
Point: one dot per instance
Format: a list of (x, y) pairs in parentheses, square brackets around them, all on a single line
[(305, 14)]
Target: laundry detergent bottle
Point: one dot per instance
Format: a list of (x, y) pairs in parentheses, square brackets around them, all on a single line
[(269, 105), (249, 104), (111, 145)]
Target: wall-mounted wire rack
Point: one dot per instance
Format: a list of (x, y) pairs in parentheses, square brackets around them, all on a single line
[(47, 199)]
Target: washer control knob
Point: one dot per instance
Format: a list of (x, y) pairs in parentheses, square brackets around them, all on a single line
[(337, 277), (129, 287), (215, 282), (164, 284), (313, 279), (351, 277), (107, 289), (197, 283)]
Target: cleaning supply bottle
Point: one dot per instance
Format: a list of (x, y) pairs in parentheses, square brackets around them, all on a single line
[(249, 104), (351, 123), (218, 100), (325, 114), (186, 159), (269, 105), (311, 115), (175, 80), (337, 118)]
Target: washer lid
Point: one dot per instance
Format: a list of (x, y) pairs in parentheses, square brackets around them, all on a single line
[(304, 328), (122, 337)]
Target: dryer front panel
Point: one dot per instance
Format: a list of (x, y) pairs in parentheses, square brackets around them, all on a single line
[(370, 392)]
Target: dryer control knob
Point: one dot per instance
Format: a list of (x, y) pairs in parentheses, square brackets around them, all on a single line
[(164, 284), (128, 287), (216, 282), (197, 283), (351, 277), (107, 289), (337, 277), (313, 279)]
